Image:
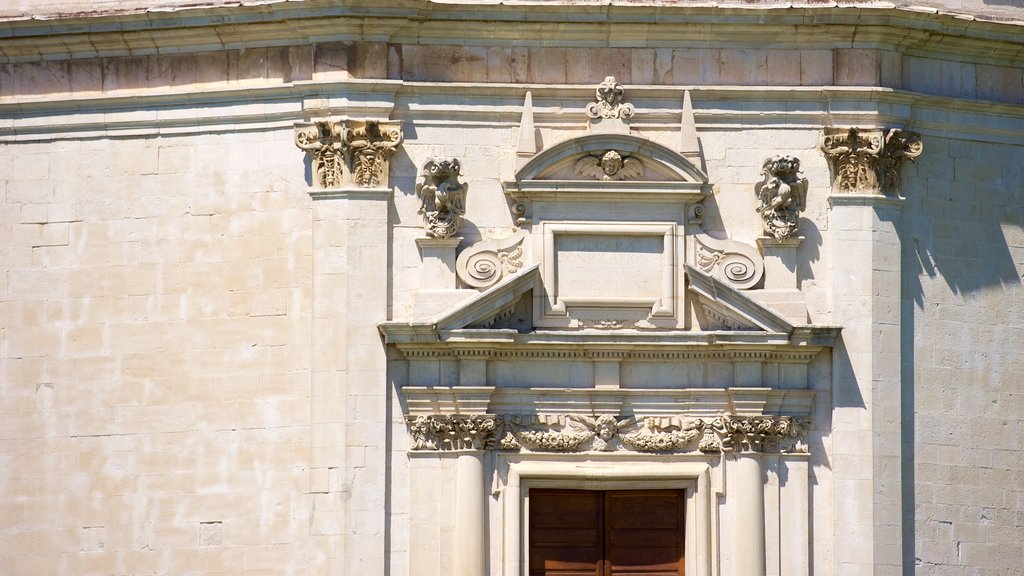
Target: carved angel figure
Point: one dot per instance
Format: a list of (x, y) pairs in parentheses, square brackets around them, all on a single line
[(442, 197), (610, 166), (782, 192)]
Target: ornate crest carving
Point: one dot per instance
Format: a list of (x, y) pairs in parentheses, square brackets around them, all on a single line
[(606, 432), (324, 140), (728, 260), (485, 263), (349, 153), (868, 161), (609, 102), (610, 166), (782, 192), (442, 197)]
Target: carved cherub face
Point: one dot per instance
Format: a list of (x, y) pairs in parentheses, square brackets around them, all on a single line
[(611, 162), (610, 91), (606, 427)]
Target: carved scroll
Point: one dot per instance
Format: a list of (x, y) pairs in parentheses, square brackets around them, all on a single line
[(609, 102), (782, 193), (606, 432), (350, 153), (868, 161), (442, 197), (485, 263), (728, 260)]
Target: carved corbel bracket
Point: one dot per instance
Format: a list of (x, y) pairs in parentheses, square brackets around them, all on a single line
[(485, 263), (350, 153), (607, 432), (868, 161)]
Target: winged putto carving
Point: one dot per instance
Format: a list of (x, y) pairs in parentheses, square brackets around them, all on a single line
[(610, 166)]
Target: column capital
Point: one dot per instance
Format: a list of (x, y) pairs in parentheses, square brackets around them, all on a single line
[(868, 160)]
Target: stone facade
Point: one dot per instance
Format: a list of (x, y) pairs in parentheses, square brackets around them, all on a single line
[(302, 288)]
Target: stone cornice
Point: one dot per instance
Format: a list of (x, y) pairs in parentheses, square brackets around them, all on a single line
[(523, 24), (188, 111)]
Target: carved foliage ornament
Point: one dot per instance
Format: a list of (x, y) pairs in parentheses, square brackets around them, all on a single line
[(868, 161), (609, 101), (782, 193), (580, 433), (442, 197), (350, 152), (609, 166)]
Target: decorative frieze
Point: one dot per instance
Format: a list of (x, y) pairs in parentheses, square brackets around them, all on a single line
[(609, 102), (352, 153), (606, 432), (868, 161), (782, 193), (442, 197), (609, 166)]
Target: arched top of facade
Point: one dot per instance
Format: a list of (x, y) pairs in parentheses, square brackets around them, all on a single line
[(660, 162)]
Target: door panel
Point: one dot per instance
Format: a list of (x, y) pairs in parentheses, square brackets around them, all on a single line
[(612, 533)]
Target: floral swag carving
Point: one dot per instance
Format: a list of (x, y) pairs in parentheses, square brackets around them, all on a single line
[(782, 193), (442, 197), (609, 102), (350, 153), (580, 433), (869, 161), (485, 263)]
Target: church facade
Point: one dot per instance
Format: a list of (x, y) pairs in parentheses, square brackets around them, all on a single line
[(512, 289)]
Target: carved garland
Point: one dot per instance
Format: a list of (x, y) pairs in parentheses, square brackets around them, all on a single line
[(579, 433), (353, 153), (868, 161)]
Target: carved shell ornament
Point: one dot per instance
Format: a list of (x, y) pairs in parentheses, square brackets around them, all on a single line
[(610, 166), (609, 101)]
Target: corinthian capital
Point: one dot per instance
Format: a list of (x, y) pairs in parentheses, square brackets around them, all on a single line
[(868, 161)]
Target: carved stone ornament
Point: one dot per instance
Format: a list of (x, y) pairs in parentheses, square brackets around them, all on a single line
[(610, 166), (609, 101), (324, 140), (868, 161), (442, 197), (580, 433), (782, 193), (485, 263), (728, 260), (350, 153)]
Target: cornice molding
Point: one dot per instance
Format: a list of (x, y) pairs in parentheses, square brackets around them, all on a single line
[(171, 30)]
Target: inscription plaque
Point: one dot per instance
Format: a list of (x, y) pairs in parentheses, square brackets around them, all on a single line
[(602, 266)]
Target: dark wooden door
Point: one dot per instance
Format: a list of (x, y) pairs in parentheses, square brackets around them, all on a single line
[(613, 533)]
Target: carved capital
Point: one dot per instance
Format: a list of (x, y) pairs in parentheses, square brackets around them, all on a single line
[(868, 161), (453, 432), (609, 102), (606, 432), (782, 193), (349, 153)]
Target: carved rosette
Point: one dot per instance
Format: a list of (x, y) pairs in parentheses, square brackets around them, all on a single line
[(485, 263), (442, 197), (453, 432), (782, 193), (609, 102), (869, 161), (580, 433), (350, 153)]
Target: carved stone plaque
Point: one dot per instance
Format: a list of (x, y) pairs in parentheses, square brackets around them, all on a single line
[(604, 270), (593, 266)]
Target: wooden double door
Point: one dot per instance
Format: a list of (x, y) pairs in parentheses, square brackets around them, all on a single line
[(606, 533)]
